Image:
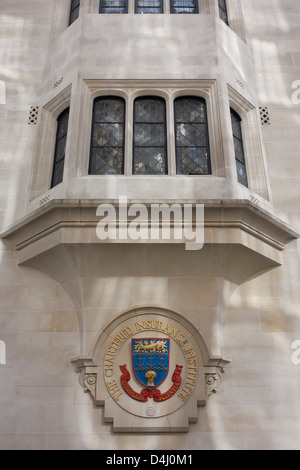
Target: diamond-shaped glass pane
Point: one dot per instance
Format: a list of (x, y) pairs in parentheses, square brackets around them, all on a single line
[(150, 155), (239, 150), (241, 173), (149, 135), (109, 110), (58, 171), (193, 160), (150, 110), (107, 146), (184, 6), (108, 135), (106, 161), (148, 6), (113, 6), (62, 124), (60, 149), (191, 135), (192, 147), (236, 125), (190, 110), (150, 161)]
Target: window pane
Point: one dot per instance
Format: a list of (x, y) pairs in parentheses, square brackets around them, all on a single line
[(149, 140), (239, 148), (192, 161), (184, 6), (147, 135), (189, 135), (150, 161), (106, 161), (148, 6), (236, 125), (74, 11), (113, 6), (107, 141), (58, 171), (223, 11), (60, 148), (241, 173), (191, 110), (192, 145)]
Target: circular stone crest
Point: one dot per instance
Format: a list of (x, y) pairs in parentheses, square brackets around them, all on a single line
[(151, 360)]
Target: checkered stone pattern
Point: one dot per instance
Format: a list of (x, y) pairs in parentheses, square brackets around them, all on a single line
[(33, 115), (264, 116), (192, 147)]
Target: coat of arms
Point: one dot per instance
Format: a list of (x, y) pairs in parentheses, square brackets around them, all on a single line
[(150, 363)]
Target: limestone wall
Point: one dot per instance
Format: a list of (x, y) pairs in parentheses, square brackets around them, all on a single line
[(42, 405)]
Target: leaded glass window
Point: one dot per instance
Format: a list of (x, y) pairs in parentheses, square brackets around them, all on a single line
[(74, 11), (184, 6), (191, 133), (148, 6), (239, 148), (149, 137), (107, 140), (113, 6), (223, 11), (60, 148)]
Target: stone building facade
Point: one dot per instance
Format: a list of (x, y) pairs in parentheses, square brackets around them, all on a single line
[(110, 111)]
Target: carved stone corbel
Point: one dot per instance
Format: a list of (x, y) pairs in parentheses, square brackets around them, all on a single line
[(88, 382), (213, 381)]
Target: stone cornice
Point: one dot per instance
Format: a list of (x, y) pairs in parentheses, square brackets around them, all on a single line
[(80, 215)]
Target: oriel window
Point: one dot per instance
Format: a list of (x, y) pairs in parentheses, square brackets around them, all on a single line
[(239, 148), (184, 6), (149, 137), (60, 148), (191, 134), (107, 140), (74, 11), (113, 6)]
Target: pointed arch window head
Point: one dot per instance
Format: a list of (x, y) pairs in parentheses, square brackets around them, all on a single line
[(184, 6), (107, 140), (239, 148), (74, 11), (60, 147), (113, 6), (191, 133), (223, 12), (149, 136)]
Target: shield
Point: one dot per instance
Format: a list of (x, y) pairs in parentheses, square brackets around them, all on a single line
[(150, 360)]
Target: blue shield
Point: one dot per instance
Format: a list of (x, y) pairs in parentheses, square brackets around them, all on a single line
[(150, 360)]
